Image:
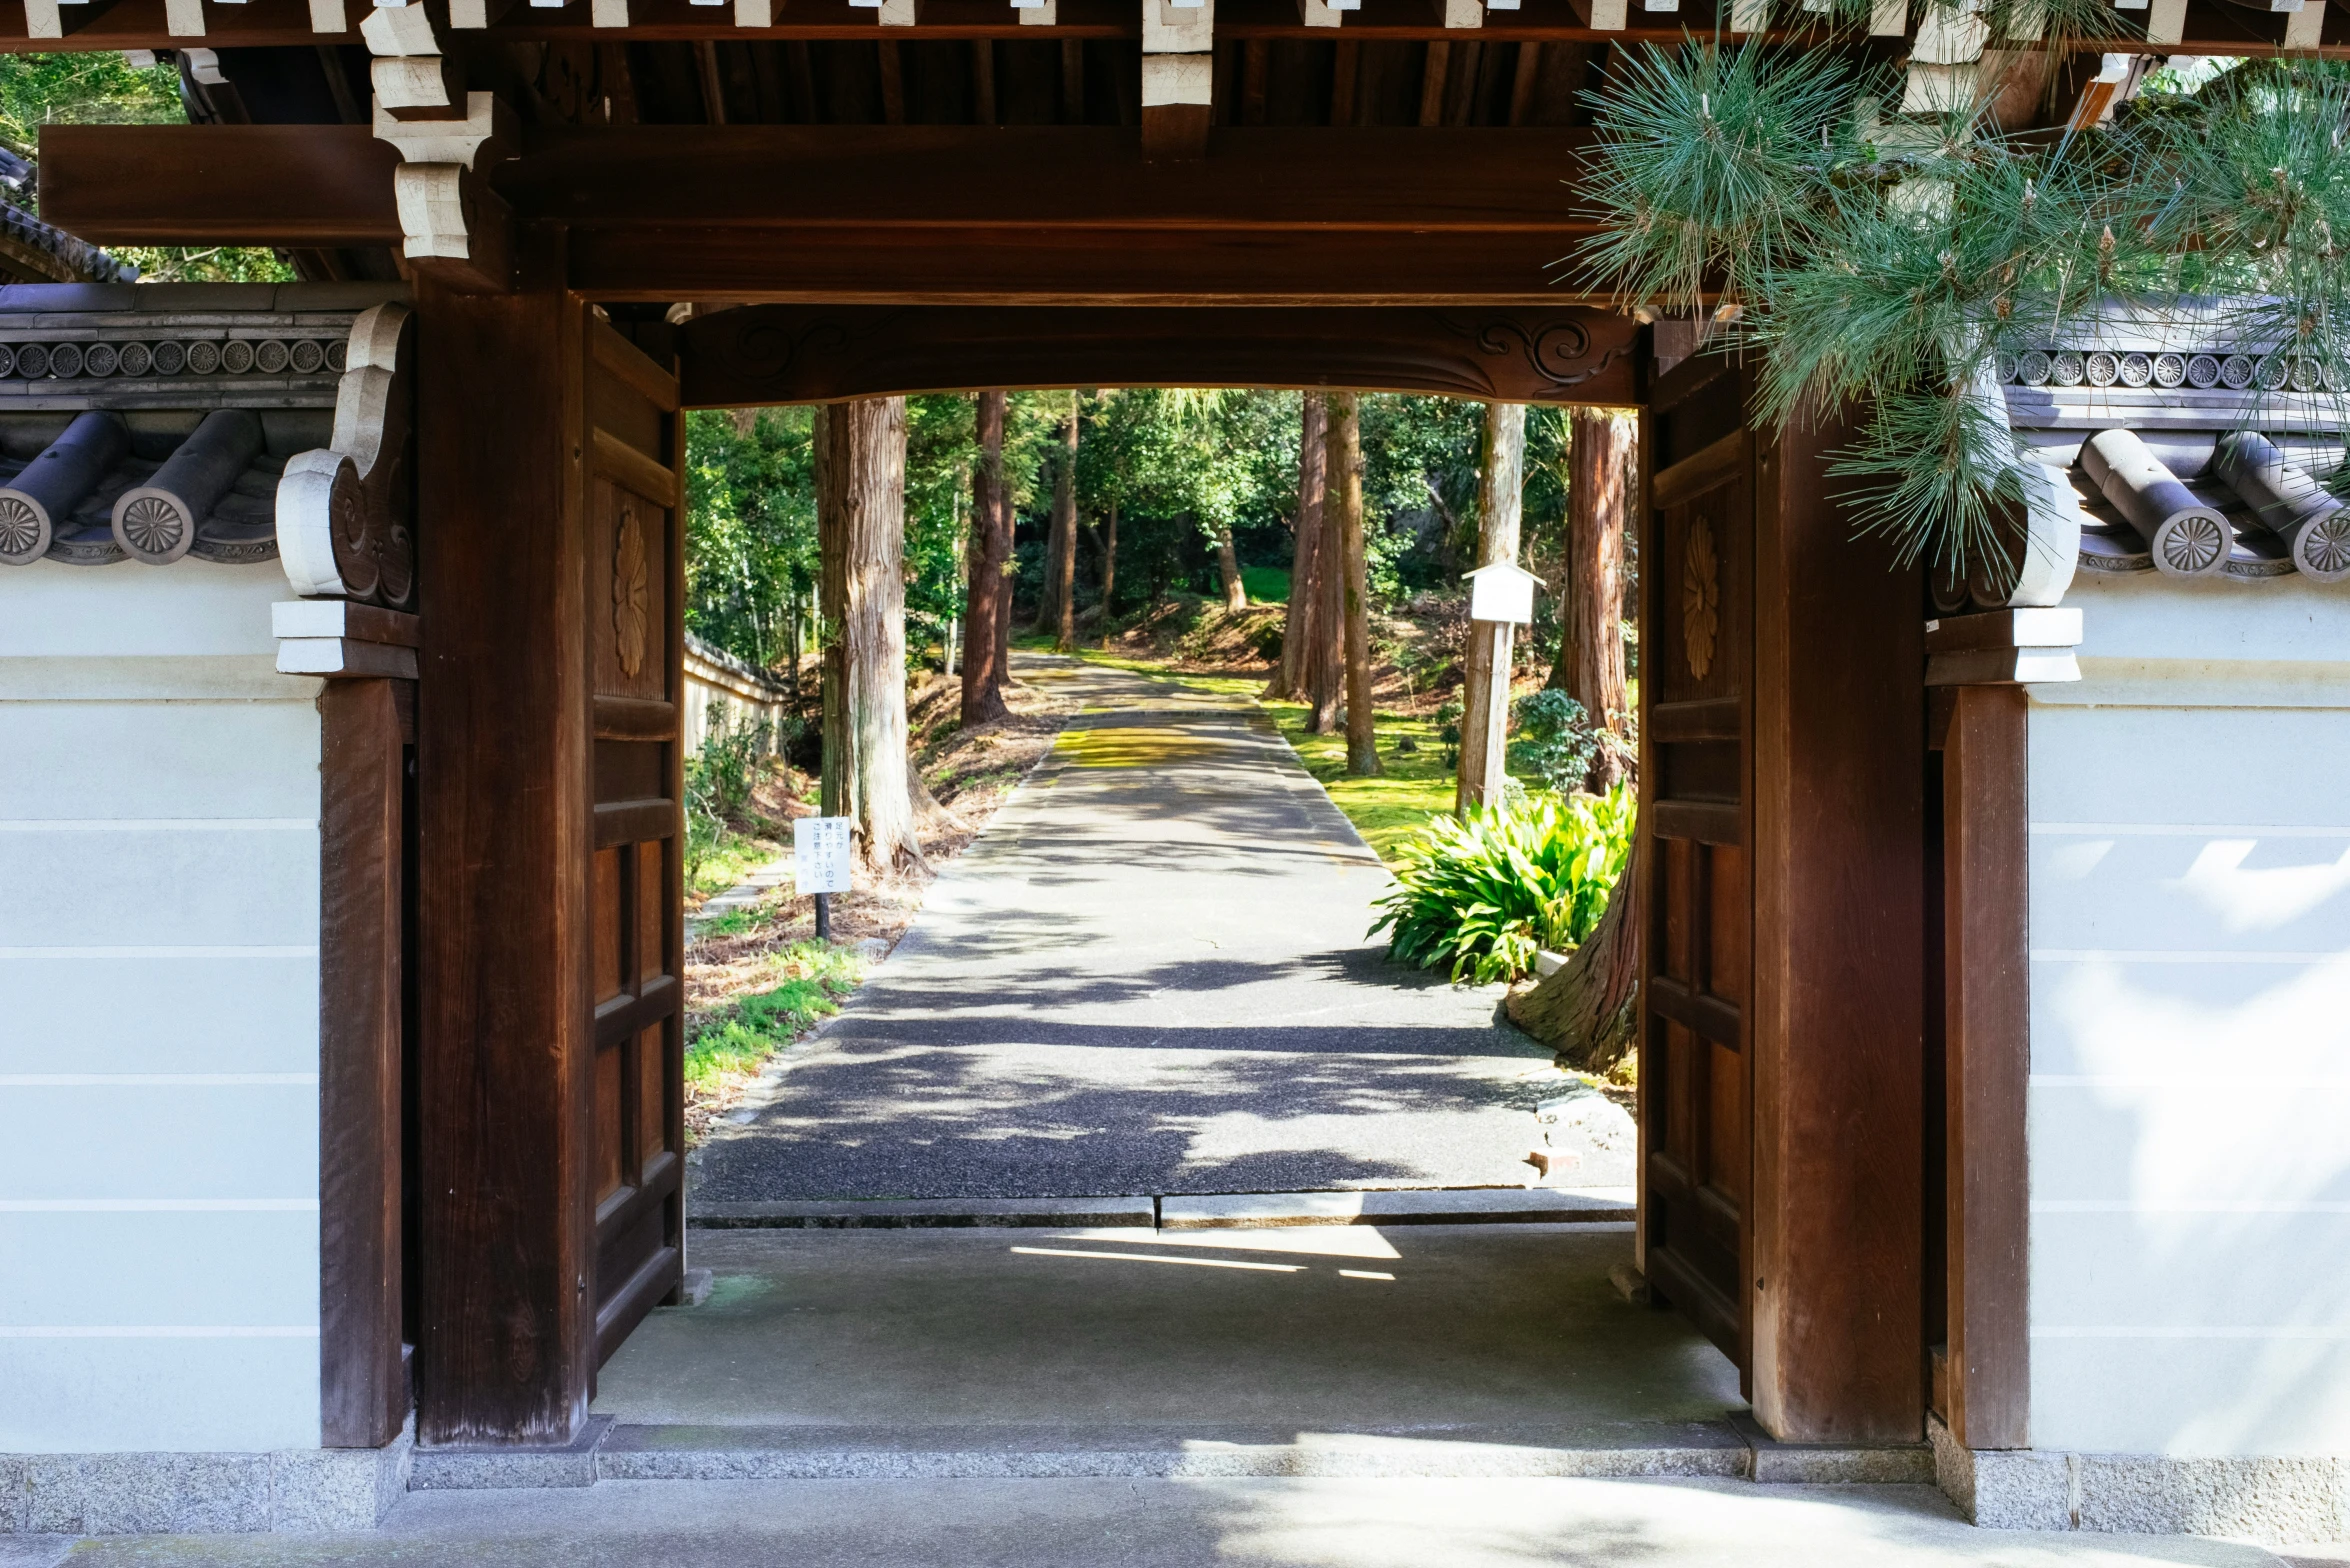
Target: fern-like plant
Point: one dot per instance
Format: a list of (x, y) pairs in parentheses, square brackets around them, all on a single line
[(1481, 894)]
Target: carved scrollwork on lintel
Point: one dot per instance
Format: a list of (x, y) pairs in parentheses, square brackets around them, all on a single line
[(1558, 349), (344, 511)]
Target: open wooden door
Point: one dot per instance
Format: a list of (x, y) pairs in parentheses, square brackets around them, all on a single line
[(1697, 730), (632, 444)]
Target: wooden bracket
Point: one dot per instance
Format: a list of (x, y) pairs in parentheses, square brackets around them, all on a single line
[(456, 227), (2004, 648), (343, 511), (341, 640)]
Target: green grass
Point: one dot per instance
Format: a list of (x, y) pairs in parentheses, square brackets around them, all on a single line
[(810, 977), (1244, 687), (726, 862), (1266, 584), (1390, 809)]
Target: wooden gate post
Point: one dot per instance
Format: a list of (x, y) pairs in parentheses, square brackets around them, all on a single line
[(506, 1339), (1839, 981)]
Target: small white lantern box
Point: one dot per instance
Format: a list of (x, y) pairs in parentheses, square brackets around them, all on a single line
[(1502, 592)]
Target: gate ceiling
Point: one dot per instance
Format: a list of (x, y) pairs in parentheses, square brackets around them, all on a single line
[(765, 354)]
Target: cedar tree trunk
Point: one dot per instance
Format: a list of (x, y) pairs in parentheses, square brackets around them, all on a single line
[(1591, 620), (1109, 567), (1299, 646), (1346, 500), (1485, 700), (1228, 571), (1061, 568), (1585, 1012), (1325, 669), (987, 597), (861, 527)]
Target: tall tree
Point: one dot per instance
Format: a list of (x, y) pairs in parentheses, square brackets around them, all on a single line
[(1228, 571), (1346, 501), (1304, 629), (1061, 568), (1109, 565), (987, 600), (861, 526), (1485, 700), (1325, 671), (1590, 665)]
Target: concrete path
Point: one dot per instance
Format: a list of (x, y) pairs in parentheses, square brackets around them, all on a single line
[(1449, 1335), (1150, 975)]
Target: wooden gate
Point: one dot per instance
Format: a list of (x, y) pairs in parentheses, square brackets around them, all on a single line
[(1697, 731), (633, 442)]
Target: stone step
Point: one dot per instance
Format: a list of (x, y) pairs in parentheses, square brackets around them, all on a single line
[(702, 1453), (924, 1213), (1436, 1206), (1728, 1450)]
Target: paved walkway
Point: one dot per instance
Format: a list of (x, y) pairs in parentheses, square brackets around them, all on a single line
[(1150, 975)]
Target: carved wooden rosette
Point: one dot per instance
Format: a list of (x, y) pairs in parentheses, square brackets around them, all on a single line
[(343, 512), (1701, 598)]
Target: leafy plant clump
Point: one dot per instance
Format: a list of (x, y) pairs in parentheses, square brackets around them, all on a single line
[(1893, 263), (812, 975), (1483, 893), (720, 778)]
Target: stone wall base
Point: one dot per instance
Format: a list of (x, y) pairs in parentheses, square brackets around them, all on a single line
[(2277, 1501), (294, 1491)]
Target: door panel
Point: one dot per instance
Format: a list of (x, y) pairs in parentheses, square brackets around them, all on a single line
[(1696, 1067), (634, 554)]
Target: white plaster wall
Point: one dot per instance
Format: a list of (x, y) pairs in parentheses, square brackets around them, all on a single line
[(158, 1014), (714, 693), (2190, 1090)]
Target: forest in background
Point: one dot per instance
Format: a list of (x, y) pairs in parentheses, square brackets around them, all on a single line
[(1182, 474)]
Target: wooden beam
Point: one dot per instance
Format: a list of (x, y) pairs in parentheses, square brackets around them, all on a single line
[(804, 354), (1037, 266), (1839, 981), (284, 184), (363, 1391), (507, 1332), (1987, 1006), (295, 185), (1432, 82)]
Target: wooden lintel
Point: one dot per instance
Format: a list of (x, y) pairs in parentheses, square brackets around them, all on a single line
[(792, 354), (294, 185), (318, 184)]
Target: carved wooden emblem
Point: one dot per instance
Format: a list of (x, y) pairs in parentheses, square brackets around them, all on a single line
[(630, 596), (1701, 598)]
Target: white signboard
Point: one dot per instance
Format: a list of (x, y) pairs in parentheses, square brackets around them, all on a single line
[(1502, 592), (820, 854)]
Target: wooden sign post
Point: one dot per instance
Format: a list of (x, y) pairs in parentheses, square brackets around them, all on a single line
[(820, 864)]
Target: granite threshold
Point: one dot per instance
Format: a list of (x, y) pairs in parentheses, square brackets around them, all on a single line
[(1188, 1211)]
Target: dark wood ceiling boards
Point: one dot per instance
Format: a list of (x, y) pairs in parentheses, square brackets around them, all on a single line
[(1038, 80)]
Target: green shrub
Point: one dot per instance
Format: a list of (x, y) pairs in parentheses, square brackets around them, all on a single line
[(1555, 741), (755, 1027), (720, 776), (1265, 584), (1483, 893)]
